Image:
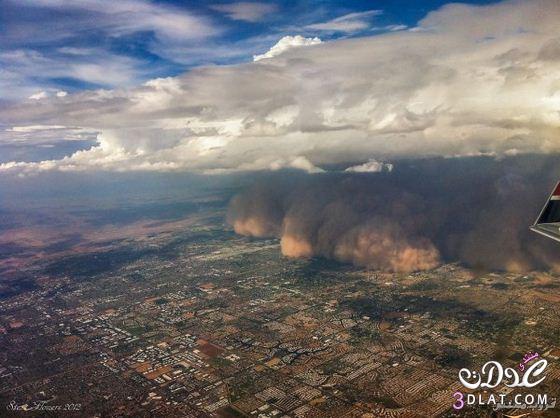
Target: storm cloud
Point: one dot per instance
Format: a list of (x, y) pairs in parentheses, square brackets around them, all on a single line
[(467, 80), (425, 212)]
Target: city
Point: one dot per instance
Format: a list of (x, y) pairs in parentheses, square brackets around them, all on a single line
[(228, 327)]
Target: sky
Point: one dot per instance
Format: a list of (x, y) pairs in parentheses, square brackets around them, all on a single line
[(56, 45), (216, 87)]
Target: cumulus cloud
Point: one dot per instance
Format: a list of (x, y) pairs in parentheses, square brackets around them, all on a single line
[(372, 166), (348, 23), (285, 44), (247, 11), (469, 80), (414, 218)]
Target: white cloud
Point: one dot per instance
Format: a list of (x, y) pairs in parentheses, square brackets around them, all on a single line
[(34, 128), (394, 28), (32, 54), (349, 23), (372, 166), (21, 68), (286, 43), (390, 28), (247, 11), (39, 95), (61, 93), (118, 18), (35, 135), (472, 80)]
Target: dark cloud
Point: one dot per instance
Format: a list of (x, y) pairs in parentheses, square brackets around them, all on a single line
[(473, 210)]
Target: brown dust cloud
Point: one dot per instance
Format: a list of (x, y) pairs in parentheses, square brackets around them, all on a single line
[(475, 211)]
